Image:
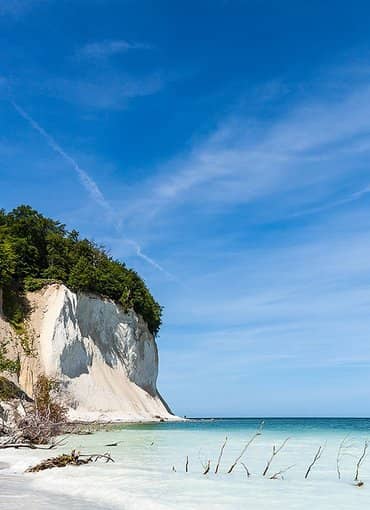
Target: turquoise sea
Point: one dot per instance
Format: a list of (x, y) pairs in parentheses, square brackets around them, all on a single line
[(150, 467)]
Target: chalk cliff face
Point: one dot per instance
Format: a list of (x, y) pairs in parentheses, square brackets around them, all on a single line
[(106, 358)]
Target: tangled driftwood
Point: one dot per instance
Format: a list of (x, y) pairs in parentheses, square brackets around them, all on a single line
[(75, 458), (17, 442)]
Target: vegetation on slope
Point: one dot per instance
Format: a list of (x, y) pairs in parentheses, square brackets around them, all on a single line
[(35, 250), (9, 390), (6, 364)]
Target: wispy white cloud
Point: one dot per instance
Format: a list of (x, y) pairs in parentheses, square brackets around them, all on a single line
[(336, 203), (294, 158), (109, 47), (111, 91)]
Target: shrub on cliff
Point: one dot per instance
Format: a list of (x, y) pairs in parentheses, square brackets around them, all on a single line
[(46, 416), (6, 364), (35, 250), (9, 390), (29, 422)]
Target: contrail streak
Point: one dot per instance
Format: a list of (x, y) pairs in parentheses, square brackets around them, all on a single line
[(351, 198), (142, 255), (88, 183)]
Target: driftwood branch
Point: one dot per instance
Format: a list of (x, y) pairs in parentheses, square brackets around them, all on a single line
[(30, 445), (360, 460), (342, 450), (315, 459), (275, 451), (113, 444), (206, 465), (246, 469), (24, 445), (258, 433), (73, 459), (207, 468), (279, 474), (220, 455), (97, 456), (339, 455)]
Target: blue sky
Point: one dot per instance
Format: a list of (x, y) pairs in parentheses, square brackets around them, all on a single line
[(221, 148)]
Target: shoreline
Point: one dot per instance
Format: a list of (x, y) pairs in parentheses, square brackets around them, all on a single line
[(105, 420)]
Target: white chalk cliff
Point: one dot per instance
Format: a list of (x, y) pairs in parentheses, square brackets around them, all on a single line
[(105, 357)]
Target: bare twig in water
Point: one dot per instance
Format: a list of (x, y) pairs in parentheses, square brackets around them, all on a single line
[(205, 464), (275, 451), (97, 456), (279, 474), (114, 444), (208, 467), (220, 455), (339, 454), (187, 464), (258, 433), (342, 450), (246, 469), (54, 443), (360, 460), (315, 459)]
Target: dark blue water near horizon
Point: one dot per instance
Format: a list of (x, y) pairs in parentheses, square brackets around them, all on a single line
[(290, 425)]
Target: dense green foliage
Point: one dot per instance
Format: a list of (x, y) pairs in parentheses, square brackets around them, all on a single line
[(6, 364), (35, 250), (9, 390)]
